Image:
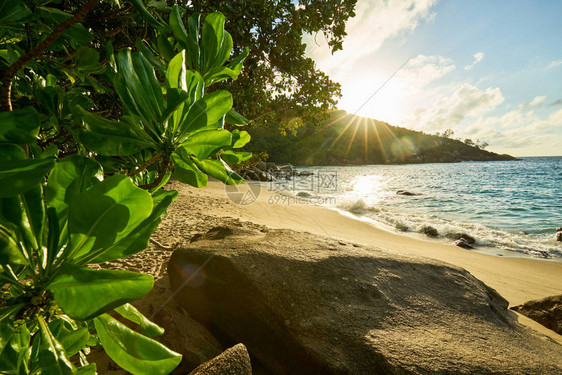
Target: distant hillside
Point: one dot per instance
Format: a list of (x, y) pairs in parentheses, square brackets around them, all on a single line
[(347, 139)]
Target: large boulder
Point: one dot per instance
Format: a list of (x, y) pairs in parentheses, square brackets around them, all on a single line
[(304, 304), (233, 361), (546, 311)]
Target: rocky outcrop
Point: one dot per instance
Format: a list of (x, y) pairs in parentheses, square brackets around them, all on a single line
[(304, 304), (461, 236), (267, 171), (463, 243), (233, 361), (429, 231), (546, 311), (406, 193), (559, 234)]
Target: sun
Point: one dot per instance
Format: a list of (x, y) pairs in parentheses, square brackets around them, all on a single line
[(387, 105)]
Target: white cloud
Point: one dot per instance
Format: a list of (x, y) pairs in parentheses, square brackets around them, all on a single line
[(422, 70), (450, 111), (376, 22), (478, 56), (554, 64), (521, 131)]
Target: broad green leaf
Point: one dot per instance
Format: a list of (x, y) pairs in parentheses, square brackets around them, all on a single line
[(105, 214), (235, 118), (206, 143), (14, 348), (70, 177), (138, 239), (149, 328), (150, 56), (139, 4), (19, 126), (178, 29), (10, 252), (73, 340), (233, 157), (89, 369), (219, 170), (132, 351), (34, 210), (18, 175), (193, 50), (240, 138), (108, 137), (164, 47), (236, 63), (186, 171), (83, 293), (12, 11), (212, 36), (138, 88), (204, 112), (52, 357), (87, 60)]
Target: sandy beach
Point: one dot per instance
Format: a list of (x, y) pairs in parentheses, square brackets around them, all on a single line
[(517, 279)]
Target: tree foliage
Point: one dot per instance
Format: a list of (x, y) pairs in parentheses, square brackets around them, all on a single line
[(82, 177)]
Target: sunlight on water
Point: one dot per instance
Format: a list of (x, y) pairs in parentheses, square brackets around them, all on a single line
[(513, 207)]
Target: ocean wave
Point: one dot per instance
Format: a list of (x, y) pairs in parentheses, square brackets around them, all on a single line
[(540, 245)]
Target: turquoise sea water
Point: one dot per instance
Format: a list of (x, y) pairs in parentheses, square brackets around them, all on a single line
[(511, 208)]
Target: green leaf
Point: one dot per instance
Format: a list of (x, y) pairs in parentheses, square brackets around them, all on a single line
[(137, 86), (87, 60), (12, 11), (70, 177), (152, 21), (138, 239), (193, 50), (83, 293), (233, 157), (52, 357), (204, 112), (212, 39), (235, 118), (150, 56), (149, 328), (108, 137), (178, 29), (132, 351), (89, 369), (105, 214), (240, 138), (19, 126), (18, 175), (219, 170), (72, 339), (164, 47), (206, 143), (10, 252), (186, 171)]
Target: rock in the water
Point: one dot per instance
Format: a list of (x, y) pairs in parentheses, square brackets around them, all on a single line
[(558, 236), (463, 243), (406, 192), (233, 361), (559, 229), (304, 305), (304, 194), (461, 236), (429, 231), (546, 311)]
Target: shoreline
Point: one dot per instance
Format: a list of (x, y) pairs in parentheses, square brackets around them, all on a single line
[(518, 280)]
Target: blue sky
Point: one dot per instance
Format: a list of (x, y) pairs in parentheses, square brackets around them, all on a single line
[(490, 70)]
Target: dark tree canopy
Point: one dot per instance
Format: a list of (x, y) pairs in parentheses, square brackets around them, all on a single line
[(280, 85)]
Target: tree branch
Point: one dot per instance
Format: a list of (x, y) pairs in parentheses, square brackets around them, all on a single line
[(10, 73)]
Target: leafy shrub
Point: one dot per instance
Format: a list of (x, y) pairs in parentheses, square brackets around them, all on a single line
[(78, 188)]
